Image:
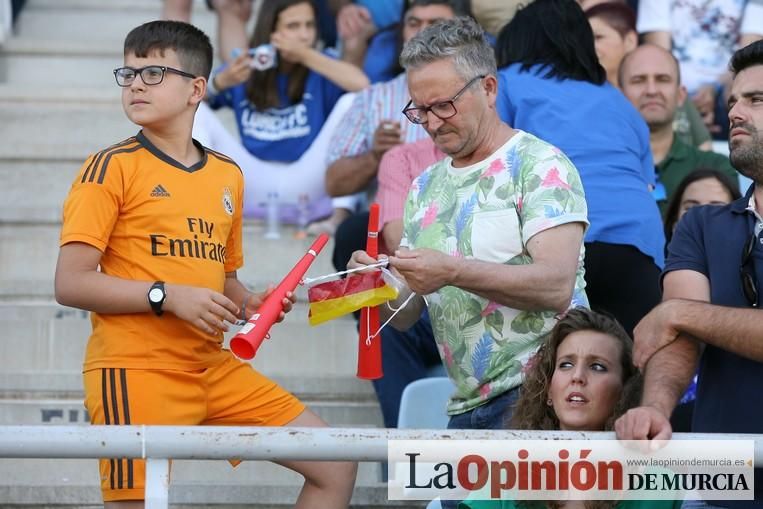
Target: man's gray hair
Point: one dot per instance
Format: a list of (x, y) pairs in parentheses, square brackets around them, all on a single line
[(460, 39)]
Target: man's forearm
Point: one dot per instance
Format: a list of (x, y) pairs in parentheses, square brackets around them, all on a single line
[(736, 330), (350, 175), (668, 374), (528, 287)]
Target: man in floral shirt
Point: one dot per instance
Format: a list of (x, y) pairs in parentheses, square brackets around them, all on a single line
[(492, 234)]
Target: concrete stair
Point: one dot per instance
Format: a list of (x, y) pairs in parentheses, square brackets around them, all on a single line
[(59, 103)]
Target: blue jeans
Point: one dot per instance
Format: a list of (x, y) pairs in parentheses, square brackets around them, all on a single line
[(495, 414)]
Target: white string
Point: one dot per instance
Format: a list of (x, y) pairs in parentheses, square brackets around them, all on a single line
[(396, 311), (311, 280)]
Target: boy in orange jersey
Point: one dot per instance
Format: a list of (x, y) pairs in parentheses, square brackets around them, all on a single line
[(161, 215)]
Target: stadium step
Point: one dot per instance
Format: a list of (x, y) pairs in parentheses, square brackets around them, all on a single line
[(71, 411), (32, 483), (28, 255)]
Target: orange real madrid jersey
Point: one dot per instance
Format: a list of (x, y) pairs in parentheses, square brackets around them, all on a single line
[(156, 220)]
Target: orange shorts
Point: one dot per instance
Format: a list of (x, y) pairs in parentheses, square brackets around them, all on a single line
[(231, 393)]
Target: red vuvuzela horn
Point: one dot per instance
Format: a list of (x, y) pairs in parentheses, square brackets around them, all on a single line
[(248, 340), (369, 349)]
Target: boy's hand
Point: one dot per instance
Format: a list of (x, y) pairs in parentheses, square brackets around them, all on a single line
[(254, 303), (203, 308), (236, 72)]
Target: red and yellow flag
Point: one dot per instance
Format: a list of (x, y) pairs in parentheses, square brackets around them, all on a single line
[(336, 298)]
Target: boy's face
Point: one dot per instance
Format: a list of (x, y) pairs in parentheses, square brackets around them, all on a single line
[(156, 105)]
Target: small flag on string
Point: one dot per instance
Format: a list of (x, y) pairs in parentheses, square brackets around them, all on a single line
[(342, 296)]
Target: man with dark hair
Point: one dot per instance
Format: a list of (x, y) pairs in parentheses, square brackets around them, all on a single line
[(650, 79), (712, 284)]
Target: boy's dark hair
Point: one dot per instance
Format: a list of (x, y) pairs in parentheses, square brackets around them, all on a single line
[(191, 44), (262, 86), (619, 16), (750, 55), (555, 35)]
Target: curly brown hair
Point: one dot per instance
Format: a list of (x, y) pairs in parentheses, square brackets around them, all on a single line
[(531, 410)]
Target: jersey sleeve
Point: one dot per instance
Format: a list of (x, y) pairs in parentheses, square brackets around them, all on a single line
[(92, 207)]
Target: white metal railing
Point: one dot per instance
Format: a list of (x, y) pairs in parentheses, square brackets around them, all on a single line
[(157, 444)]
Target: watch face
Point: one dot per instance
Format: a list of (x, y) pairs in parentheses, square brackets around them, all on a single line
[(155, 295)]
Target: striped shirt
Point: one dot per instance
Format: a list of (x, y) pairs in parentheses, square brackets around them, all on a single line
[(397, 171), (381, 102)]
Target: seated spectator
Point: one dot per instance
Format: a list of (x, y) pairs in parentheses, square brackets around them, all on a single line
[(702, 35), (651, 80), (370, 32), (614, 34), (552, 86), (587, 356), (281, 111), (398, 169), (614, 31), (703, 186)]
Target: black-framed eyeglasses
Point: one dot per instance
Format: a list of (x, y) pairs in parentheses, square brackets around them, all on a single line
[(151, 74), (442, 110), (747, 272)]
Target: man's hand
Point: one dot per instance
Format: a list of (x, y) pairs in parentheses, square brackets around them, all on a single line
[(425, 270), (236, 72), (205, 309), (361, 259), (654, 332), (386, 136), (643, 423), (256, 300)]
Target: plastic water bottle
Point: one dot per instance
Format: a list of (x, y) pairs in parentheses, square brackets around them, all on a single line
[(273, 217), (303, 211)]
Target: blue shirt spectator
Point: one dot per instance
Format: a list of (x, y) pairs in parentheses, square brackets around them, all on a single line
[(606, 139)]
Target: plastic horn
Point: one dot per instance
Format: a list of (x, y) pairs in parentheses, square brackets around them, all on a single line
[(369, 350), (248, 340)]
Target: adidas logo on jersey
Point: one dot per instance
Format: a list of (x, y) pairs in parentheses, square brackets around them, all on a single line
[(160, 192)]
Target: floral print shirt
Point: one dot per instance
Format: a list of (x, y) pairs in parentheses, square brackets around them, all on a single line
[(489, 211)]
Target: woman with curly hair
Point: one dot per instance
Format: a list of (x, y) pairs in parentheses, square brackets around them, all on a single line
[(582, 379)]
